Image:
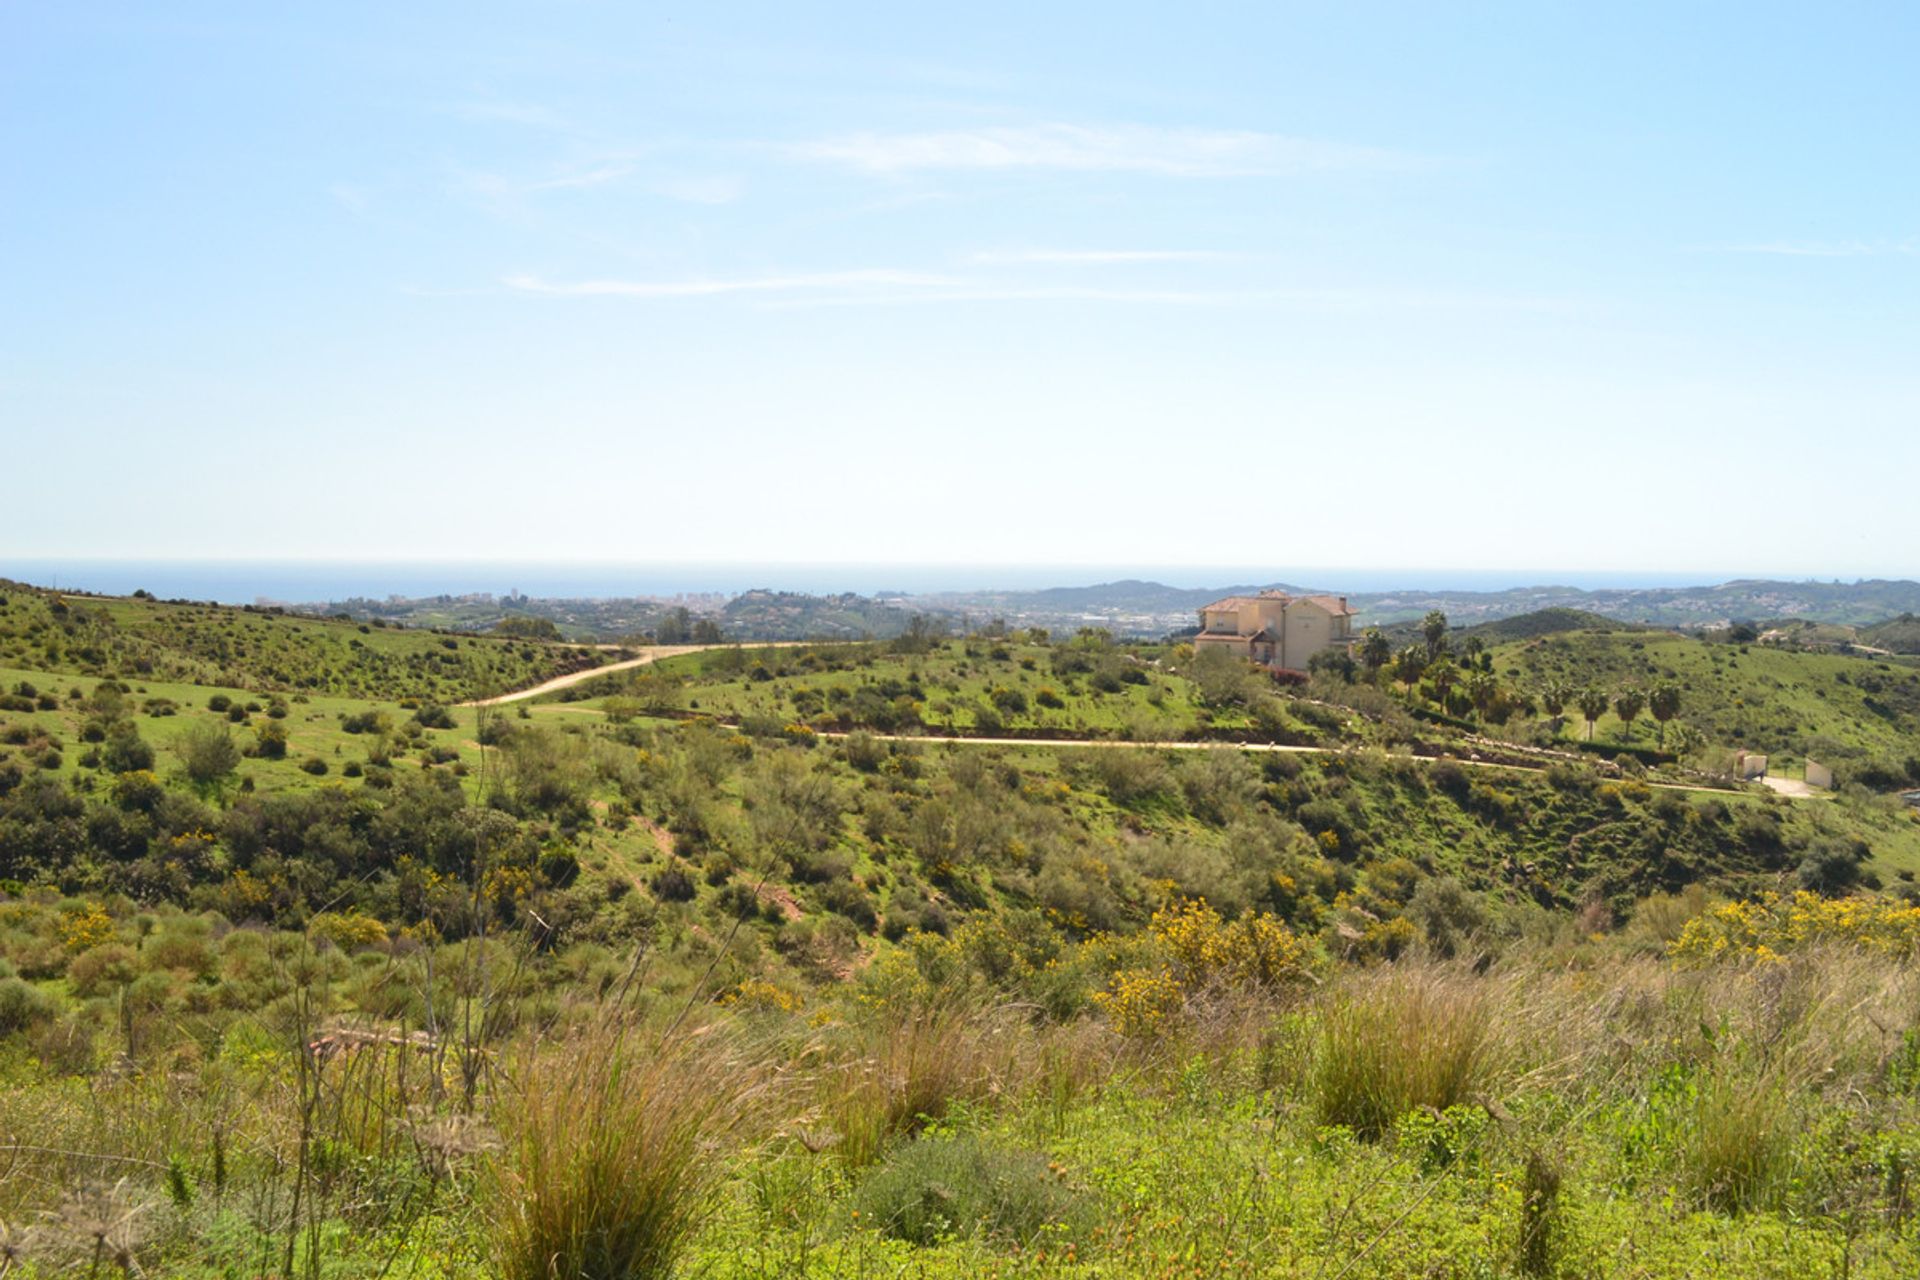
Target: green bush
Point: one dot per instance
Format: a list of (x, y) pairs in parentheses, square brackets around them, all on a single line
[(933, 1188), (22, 1005)]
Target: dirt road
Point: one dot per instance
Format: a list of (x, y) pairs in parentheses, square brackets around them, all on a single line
[(938, 740), (648, 654), (657, 652)]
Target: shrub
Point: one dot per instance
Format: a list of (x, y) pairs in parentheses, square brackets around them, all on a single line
[(1448, 913), (433, 716), (313, 765), (100, 970), (270, 741), (934, 1188), (673, 885), (22, 1005), (207, 752), (126, 751), (610, 1161), (1771, 925)]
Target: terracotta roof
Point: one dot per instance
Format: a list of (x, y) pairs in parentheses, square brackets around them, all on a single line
[(1334, 605), (1239, 602)]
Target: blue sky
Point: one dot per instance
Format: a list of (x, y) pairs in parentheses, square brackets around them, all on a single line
[(1626, 287)]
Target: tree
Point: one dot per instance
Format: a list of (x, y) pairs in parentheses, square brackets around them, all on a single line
[(1333, 661), (207, 752), (1664, 703), (1483, 687), (1221, 678), (1443, 675), (1554, 696), (1434, 628), (1593, 705), (1375, 651), (1628, 707), (1408, 666)]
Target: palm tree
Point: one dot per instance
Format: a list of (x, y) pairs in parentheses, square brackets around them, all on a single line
[(1664, 703), (1375, 651), (1628, 707), (1443, 675), (1555, 693), (1408, 666), (1593, 705), (1483, 688), (1434, 628)]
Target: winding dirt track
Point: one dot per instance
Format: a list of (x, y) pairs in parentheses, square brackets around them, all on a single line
[(652, 653), (656, 652), (648, 654)]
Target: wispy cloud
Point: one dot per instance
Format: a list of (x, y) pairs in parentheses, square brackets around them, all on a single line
[(1831, 249), (914, 288), (1095, 257), (1184, 153), (706, 288)]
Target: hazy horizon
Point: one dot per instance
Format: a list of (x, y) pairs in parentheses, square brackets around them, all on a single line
[(315, 581)]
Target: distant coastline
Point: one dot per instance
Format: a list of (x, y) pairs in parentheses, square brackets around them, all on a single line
[(307, 582)]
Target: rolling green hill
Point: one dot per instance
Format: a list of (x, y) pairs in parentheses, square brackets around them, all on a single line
[(1544, 622), (263, 649), (1845, 711)]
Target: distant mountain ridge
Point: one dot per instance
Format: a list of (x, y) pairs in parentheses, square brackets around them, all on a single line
[(1137, 607), (1141, 607)]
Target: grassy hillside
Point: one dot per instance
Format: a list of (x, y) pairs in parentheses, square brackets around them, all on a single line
[(1901, 634), (263, 649), (1846, 711), (459, 976), (1544, 622), (1085, 687)]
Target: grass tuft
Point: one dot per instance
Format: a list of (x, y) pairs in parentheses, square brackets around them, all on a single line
[(1403, 1039), (612, 1156)]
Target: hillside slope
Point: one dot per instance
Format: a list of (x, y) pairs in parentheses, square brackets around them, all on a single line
[(263, 649)]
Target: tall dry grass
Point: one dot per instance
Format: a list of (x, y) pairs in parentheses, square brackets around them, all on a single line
[(908, 1067), (1406, 1037), (615, 1147)]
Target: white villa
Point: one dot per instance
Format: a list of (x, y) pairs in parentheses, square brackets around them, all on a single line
[(1275, 628)]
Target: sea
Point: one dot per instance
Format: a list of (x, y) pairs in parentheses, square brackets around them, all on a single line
[(320, 581)]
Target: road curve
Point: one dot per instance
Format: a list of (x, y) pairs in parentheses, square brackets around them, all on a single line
[(652, 653), (648, 654)]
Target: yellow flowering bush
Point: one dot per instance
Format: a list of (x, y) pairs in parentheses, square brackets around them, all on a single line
[(349, 931), (764, 997), (1190, 948), (1141, 1002), (1765, 927), (86, 928), (1256, 950)]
